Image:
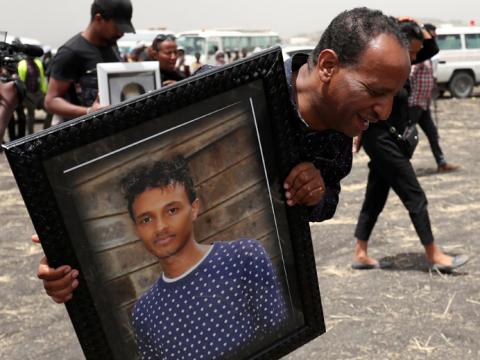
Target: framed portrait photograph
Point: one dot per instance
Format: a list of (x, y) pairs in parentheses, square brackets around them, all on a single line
[(118, 82), (172, 207)]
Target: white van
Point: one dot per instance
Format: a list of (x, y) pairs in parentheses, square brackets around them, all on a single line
[(458, 68), (207, 42)]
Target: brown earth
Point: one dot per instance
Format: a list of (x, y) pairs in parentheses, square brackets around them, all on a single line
[(408, 312)]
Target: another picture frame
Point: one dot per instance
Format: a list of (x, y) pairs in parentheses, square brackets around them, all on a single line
[(118, 82), (235, 128)]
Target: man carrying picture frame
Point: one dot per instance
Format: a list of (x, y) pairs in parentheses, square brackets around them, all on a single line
[(335, 93), (74, 65)]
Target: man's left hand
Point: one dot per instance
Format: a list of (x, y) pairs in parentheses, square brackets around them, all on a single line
[(304, 185)]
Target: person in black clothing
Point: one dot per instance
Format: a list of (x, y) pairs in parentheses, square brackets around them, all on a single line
[(73, 89), (390, 167), (348, 81), (165, 48)]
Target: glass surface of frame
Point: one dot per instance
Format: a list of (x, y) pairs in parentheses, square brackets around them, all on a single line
[(232, 127), (118, 82)]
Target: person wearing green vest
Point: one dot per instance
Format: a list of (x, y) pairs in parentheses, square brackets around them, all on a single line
[(31, 72)]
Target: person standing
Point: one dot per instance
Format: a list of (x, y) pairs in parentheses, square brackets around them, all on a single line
[(422, 84), (31, 72), (72, 89), (390, 167)]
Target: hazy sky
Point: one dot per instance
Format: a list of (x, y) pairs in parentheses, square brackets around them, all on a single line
[(54, 21)]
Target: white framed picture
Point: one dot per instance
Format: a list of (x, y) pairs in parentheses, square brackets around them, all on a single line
[(118, 82)]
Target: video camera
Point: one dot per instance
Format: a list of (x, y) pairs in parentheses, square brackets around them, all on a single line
[(11, 54)]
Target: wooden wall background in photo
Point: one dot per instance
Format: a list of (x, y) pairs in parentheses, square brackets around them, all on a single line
[(225, 163)]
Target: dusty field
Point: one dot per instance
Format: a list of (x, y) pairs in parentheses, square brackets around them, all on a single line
[(404, 313)]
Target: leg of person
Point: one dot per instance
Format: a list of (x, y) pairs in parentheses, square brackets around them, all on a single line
[(21, 121), (30, 105), (12, 128), (404, 182), (47, 122), (375, 198), (4, 123), (428, 126)]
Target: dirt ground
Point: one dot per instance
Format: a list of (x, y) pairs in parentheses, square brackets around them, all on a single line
[(407, 312)]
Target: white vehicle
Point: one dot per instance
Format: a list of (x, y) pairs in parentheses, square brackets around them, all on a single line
[(208, 42), (458, 68), (131, 40), (289, 51)]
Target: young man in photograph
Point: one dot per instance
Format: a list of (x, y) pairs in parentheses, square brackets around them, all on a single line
[(211, 299)]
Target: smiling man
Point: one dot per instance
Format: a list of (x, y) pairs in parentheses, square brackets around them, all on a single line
[(347, 82), (211, 300)]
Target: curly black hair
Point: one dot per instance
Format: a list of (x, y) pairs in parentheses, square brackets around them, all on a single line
[(350, 32), (158, 175)]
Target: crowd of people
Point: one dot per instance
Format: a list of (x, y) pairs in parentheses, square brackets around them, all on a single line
[(371, 84), (74, 79)]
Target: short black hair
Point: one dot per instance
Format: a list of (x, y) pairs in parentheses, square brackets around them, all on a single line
[(350, 32), (411, 30), (159, 175)]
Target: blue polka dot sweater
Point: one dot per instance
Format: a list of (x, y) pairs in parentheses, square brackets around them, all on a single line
[(229, 300)]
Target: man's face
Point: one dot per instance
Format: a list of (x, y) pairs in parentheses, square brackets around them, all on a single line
[(164, 219), (167, 55), (110, 31), (363, 93)]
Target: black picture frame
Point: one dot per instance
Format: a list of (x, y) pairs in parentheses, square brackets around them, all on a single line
[(43, 165)]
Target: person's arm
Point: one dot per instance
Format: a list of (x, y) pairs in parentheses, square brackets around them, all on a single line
[(8, 103), (429, 49), (267, 300), (56, 104), (326, 208), (145, 348), (64, 71)]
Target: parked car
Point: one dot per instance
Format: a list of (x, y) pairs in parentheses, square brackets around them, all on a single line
[(458, 62)]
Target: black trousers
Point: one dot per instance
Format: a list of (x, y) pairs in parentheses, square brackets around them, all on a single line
[(424, 119), (390, 168)]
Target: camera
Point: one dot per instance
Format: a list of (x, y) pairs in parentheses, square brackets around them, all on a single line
[(10, 55)]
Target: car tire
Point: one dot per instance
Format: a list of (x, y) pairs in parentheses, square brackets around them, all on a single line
[(461, 85)]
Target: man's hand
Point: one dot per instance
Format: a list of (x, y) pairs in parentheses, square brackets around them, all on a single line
[(168, 82), (96, 105), (357, 144), (304, 185), (59, 283)]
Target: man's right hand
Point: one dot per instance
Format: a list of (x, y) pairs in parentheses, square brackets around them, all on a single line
[(59, 283), (96, 105)]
